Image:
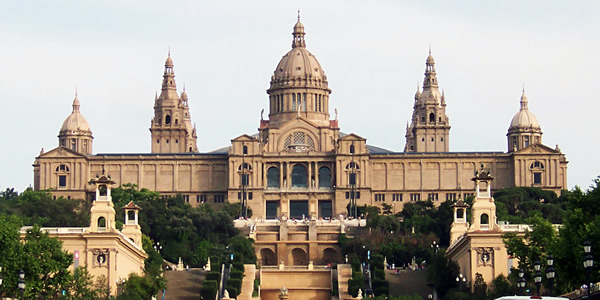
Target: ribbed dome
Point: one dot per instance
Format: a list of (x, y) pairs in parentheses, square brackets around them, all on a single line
[(299, 63), (75, 122), (169, 61), (524, 118)]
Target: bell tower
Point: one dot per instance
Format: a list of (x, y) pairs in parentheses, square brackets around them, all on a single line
[(430, 126), (102, 217), (171, 128), (483, 211)]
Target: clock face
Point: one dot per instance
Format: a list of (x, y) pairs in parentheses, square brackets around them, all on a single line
[(101, 258)]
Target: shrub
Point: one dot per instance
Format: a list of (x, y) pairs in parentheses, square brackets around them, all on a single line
[(380, 287), (233, 292), (378, 274), (236, 274), (234, 283), (238, 266), (216, 276), (209, 289)]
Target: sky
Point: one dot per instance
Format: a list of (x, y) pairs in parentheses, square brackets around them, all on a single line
[(373, 52)]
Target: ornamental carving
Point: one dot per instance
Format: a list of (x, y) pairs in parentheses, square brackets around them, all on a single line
[(485, 256)]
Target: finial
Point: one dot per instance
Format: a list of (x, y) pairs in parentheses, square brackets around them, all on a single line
[(75, 92), (429, 49), (169, 53), (298, 15), (184, 86)]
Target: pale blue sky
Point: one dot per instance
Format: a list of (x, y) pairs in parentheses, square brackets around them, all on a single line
[(225, 52)]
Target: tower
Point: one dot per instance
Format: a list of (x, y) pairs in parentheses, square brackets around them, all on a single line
[(75, 132), (430, 127), (483, 211), (299, 85), (102, 217), (171, 128), (524, 128), (131, 227)]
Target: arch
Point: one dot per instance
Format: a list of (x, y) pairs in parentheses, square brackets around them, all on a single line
[(267, 257), (352, 165), (299, 176), (484, 219), (247, 166), (101, 223), (167, 120), (431, 117), (130, 215), (299, 257), (324, 177), (103, 190), (273, 177), (330, 256)]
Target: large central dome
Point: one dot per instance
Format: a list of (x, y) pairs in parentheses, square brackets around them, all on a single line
[(299, 85)]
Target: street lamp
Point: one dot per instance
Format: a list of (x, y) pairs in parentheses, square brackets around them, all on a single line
[(521, 282), (157, 247), (538, 275), (588, 264), (461, 280), (21, 283), (550, 273), (435, 246)]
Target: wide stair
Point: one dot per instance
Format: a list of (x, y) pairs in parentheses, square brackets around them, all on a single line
[(184, 285), (344, 273), (248, 282)]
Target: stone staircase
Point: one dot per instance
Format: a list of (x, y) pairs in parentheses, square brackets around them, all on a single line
[(344, 273), (248, 282), (184, 285)]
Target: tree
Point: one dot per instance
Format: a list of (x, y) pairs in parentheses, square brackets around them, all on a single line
[(479, 287)]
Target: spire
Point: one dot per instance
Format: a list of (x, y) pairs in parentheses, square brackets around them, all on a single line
[(418, 93), (524, 100), (298, 34), (76, 103), (430, 76), (169, 75)]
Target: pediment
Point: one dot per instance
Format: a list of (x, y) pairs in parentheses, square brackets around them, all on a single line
[(299, 122), (61, 152), (352, 137), (244, 138), (537, 149)]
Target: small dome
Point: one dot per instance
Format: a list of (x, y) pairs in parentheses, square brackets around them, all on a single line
[(299, 63), (75, 122), (169, 61), (524, 118)]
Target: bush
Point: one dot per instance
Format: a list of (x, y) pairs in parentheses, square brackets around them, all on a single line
[(238, 266), (378, 274), (216, 276), (334, 288), (234, 283), (380, 287), (233, 292), (236, 274), (353, 286), (209, 289)]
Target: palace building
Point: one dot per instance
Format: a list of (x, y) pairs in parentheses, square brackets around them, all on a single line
[(299, 163)]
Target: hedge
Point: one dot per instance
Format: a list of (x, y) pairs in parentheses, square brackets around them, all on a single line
[(236, 274), (216, 276), (209, 289), (234, 283)]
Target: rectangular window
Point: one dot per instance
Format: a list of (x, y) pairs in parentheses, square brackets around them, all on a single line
[(468, 195), (62, 180), (397, 198), (415, 197), (200, 198), (451, 196), (245, 179), (186, 198), (432, 196), (219, 198), (525, 141), (537, 178), (272, 209), (380, 197), (352, 179)]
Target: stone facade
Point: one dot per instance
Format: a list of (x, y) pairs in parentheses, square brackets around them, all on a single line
[(300, 163)]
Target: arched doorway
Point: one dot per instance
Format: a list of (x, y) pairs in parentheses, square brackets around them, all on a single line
[(299, 257), (267, 257), (330, 256)]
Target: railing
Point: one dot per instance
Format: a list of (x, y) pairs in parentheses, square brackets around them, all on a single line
[(57, 230)]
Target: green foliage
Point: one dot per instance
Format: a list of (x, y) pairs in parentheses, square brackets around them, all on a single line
[(243, 248), (208, 291), (215, 276), (234, 284), (516, 204), (236, 274), (442, 272), (380, 286), (256, 287), (38, 207), (501, 287), (479, 288), (334, 288), (138, 288)]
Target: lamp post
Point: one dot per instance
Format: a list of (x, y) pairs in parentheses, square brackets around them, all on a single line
[(461, 280), (550, 273), (21, 283), (435, 246), (157, 247), (538, 275), (588, 264), (521, 282)]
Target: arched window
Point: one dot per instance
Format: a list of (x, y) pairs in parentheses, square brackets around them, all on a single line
[(324, 177), (245, 150), (352, 165), (484, 219), (102, 189), (273, 177), (246, 167), (352, 149), (168, 120), (293, 102), (102, 223), (431, 117), (299, 176), (176, 121)]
